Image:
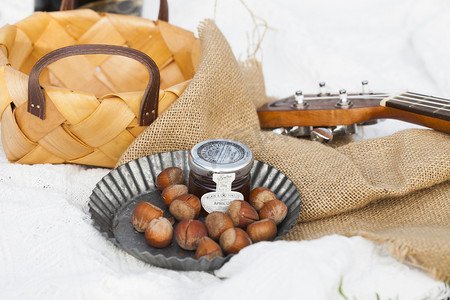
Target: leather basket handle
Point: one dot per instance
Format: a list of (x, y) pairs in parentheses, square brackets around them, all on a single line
[(163, 8), (149, 105)]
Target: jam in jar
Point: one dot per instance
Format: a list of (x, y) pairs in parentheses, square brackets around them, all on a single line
[(220, 173)]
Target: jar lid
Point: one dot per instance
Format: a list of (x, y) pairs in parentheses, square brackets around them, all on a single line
[(220, 156)]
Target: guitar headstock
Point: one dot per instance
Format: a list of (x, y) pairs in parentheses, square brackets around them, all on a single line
[(300, 113), (340, 112)]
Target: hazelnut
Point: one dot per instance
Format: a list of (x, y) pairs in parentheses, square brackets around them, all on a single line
[(143, 214), (188, 233), (159, 233), (275, 210), (242, 213), (233, 240), (173, 191), (208, 248), (216, 223), (262, 230), (169, 176), (259, 196), (185, 207)]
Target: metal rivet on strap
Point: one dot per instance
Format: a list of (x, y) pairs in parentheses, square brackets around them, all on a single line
[(32, 105), (38, 106)]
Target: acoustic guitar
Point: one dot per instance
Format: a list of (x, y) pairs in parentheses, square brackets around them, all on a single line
[(340, 110)]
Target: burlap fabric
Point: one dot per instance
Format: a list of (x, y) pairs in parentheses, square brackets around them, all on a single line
[(393, 190)]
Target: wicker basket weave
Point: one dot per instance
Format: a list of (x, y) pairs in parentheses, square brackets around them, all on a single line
[(92, 106)]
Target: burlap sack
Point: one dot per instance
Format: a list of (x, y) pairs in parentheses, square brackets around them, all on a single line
[(393, 190)]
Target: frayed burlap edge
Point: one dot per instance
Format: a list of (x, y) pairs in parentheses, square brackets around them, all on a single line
[(405, 254)]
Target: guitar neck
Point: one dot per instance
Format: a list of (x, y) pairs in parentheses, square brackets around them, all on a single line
[(322, 111), (434, 107)]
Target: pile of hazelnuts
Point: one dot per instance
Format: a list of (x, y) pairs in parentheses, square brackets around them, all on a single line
[(243, 223)]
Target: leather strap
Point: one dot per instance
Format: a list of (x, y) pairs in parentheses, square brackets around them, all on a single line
[(67, 5), (149, 106), (163, 11), (163, 8)]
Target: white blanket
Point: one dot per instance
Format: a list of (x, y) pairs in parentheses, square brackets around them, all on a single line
[(50, 250)]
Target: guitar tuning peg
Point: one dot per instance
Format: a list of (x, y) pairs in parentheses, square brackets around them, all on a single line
[(322, 88), (296, 131), (322, 135), (281, 130), (365, 87), (345, 129), (343, 100), (300, 131), (299, 102)]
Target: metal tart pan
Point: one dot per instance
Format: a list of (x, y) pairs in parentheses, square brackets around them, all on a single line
[(116, 195)]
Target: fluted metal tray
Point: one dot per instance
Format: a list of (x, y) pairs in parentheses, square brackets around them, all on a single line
[(115, 196)]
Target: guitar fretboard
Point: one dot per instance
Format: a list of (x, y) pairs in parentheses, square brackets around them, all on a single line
[(431, 106)]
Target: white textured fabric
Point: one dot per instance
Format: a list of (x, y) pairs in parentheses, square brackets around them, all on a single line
[(50, 250), (13, 11)]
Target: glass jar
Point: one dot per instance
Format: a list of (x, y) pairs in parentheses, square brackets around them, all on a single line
[(220, 173)]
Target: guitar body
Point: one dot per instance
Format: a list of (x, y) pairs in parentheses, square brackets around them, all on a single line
[(323, 111)]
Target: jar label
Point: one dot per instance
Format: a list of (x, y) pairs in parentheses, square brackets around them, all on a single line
[(219, 201), (222, 197), (223, 181)]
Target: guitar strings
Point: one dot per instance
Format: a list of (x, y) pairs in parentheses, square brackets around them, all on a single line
[(421, 101), (419, 104), (415, 102), (439, 104), (428, 96), (374, 97)]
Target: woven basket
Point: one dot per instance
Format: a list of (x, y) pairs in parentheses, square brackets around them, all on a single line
[(61, 104)]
